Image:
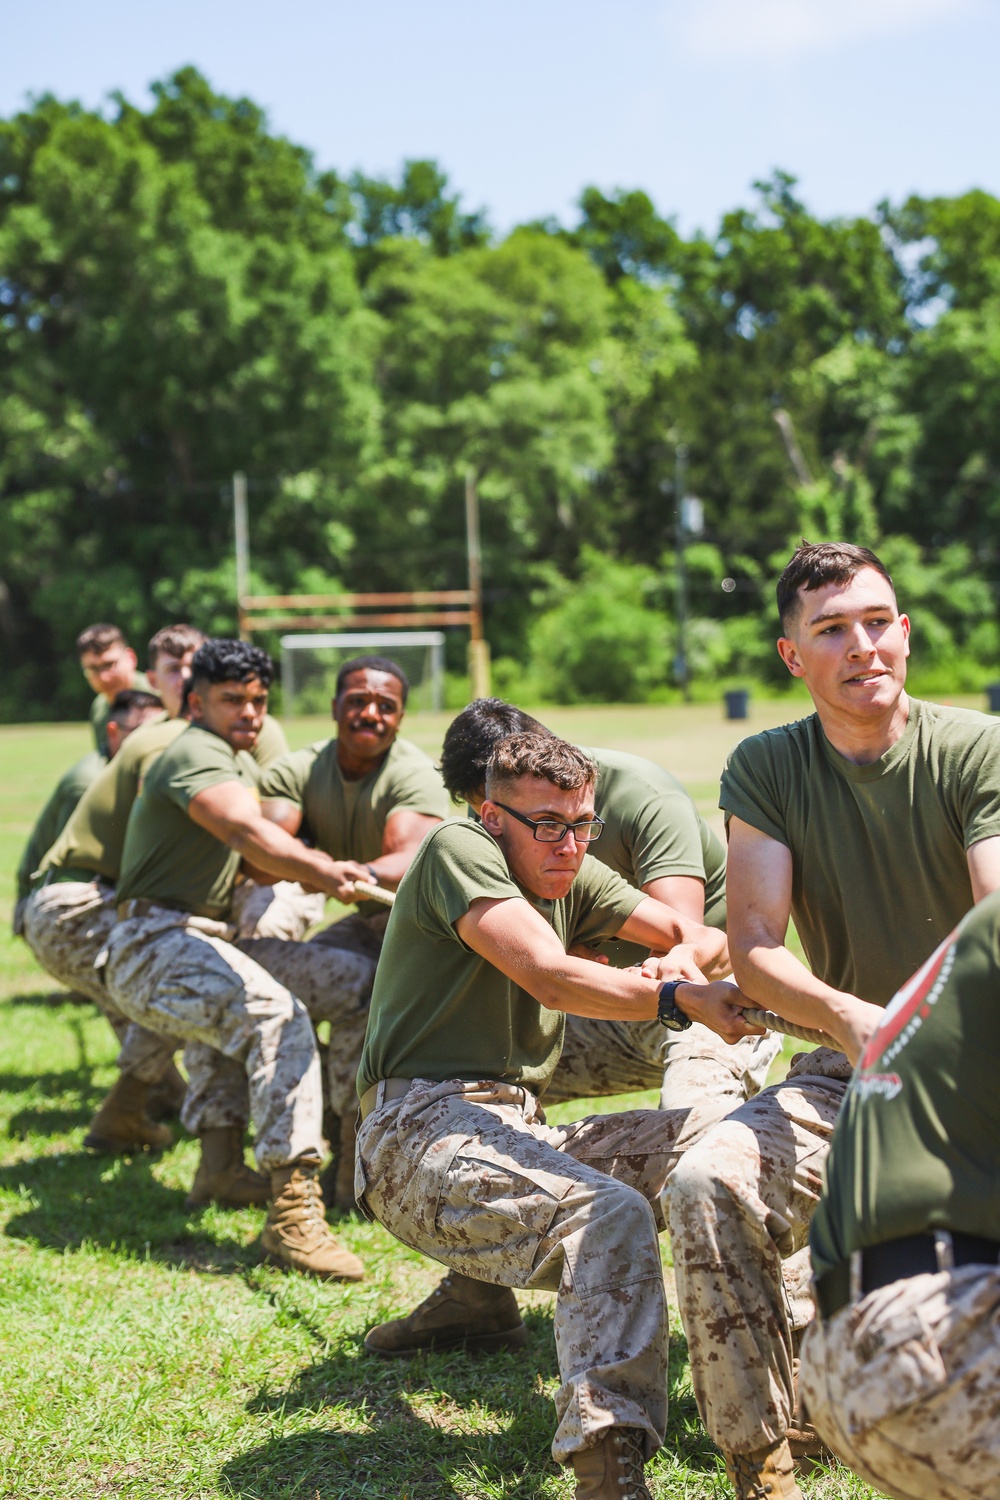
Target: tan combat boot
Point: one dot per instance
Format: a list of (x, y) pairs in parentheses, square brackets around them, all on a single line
[(612, 1469), (122, 1125), (166, 1096), (223, 1176), (766, 1474), (296, 1235), (458, 1313)]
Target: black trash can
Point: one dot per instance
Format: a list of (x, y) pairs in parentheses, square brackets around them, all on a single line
[(993, 696), (738, 703)]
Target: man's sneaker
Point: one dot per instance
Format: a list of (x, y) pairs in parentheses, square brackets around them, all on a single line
[(122, 1125), (458, 1313), (296, 1235), (766, 1474), (612, 1469), (223, 1176)]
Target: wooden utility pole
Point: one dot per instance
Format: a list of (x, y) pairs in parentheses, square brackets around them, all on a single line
[(479, 651), (241, 534)]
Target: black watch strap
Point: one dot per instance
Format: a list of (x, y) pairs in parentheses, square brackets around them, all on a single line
[(668, 1012)]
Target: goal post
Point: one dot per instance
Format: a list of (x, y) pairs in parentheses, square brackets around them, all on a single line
[(310, 663)]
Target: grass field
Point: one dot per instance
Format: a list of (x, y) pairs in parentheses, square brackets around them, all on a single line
[(147, 1352)]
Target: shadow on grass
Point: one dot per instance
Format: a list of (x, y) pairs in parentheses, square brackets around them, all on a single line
[(49, 999), (435, 1424), (75, 1199)]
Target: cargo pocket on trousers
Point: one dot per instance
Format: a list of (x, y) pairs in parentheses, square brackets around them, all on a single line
[(896, 1362), (492, 1193)]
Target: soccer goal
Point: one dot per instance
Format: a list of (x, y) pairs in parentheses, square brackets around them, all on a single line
[(310, 663)]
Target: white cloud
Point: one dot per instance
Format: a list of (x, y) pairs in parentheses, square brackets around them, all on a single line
[(781, 29)]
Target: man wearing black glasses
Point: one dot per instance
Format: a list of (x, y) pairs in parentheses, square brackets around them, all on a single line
[(466, 1027)]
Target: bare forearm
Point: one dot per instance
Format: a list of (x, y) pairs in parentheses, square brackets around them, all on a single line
[(390, 868), (769, 974), (272, 850), (582, 988)]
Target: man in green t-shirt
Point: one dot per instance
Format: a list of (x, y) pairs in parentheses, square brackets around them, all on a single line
[(172, 967), (901, 1369), (366, 797), (465, 1031), (110, 667), (875, 825), (50, 823)]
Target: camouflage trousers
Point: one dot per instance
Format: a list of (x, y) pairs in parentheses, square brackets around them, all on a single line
[(251, 1048), (282, 910), (738, 1204), (903, 1385), (624, 1057), (464, 1173), (66, 926), (332, 975)]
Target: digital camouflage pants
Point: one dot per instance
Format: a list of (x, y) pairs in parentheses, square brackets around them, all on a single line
[(282, 910), (738, 1204), (332, 975), (66, 926), (625, 1057), (251, 1047), (904, 1385), (463, 1173)]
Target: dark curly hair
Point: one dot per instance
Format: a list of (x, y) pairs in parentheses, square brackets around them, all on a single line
[(229, 661)]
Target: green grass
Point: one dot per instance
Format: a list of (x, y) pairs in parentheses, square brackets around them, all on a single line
[(149, 1354)]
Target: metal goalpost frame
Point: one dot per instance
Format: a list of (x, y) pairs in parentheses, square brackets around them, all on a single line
[(361, 643)]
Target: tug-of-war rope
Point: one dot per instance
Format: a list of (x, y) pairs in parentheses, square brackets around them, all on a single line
[(768, 1018)]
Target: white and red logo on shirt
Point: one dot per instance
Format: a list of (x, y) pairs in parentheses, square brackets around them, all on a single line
[(906, 1012)]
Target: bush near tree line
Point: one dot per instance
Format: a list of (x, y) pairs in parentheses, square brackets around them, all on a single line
[(183, 294)]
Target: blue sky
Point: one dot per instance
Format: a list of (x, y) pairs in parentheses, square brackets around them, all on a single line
[(526, 102)]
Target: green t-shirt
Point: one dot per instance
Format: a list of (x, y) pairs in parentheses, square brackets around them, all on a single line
[(652, 829), (918, 1138), (92, 841), (100, 712), (167, 857), (346, 819), (55, 815), (879, 869), (440, 1011)]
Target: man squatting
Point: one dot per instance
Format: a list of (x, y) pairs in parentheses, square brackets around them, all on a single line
[(653, 837), (466, 1027), (70, 909), (875, 825)]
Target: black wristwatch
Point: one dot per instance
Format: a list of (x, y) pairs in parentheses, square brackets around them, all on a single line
[(374, 874), (668, 1012)]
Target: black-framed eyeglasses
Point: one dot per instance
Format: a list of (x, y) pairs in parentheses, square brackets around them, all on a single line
[(547, 831)]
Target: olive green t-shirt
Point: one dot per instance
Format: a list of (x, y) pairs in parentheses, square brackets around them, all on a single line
[(918, 1137), (346, 819), (55, 815), (167, 857), (440, 1011), (652, 829), (100, 712), (879, 869), (92, 841)]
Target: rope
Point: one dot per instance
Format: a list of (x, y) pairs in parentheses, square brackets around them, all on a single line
[(775, 1022), (368, 892)]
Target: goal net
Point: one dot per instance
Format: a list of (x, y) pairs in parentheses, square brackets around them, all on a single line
[(310, 663)]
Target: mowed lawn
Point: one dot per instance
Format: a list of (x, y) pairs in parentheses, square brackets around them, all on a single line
[(146, 1351)]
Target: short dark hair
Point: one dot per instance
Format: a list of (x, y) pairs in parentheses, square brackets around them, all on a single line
[(97, 638), (472, 737), (175, 641), (373, 664), (814, 564), (132, 701), (221, 660), (544, 756)]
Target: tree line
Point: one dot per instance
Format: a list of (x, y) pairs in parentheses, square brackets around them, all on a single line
[(184, 293)]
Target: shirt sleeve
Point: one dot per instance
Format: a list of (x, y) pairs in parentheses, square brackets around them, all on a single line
[(979, 788), (460, 864), (211, 763), (285, 780), (417, 787), (665, 839), (603, 903), (749, 792)]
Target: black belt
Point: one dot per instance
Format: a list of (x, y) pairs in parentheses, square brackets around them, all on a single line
[(913, 1255)]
